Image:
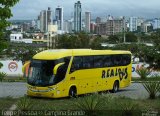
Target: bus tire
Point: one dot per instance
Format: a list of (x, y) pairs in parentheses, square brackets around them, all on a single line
[(115, 87), (73, 92)]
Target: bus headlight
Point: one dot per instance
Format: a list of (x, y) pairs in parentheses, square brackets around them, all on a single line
[(37, 90)]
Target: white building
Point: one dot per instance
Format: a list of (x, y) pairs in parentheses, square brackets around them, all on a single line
[(146, 26), (156, 23), (77, 17), (133, 24), (140, 21), (45, 19), (66, 26), (16, 37), (87, 21)]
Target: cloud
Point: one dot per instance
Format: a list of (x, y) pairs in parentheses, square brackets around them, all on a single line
[(30, 9)]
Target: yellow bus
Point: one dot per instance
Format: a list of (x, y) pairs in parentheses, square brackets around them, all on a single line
[(71, 72)]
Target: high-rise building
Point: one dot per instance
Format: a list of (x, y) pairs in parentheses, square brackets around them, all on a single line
[(26, 26), (92, 27), (147, 26), (45, 19), (49, 17), (111, 27), (59, 17), (38, 23), (42, 21), (133, 24), (77, 17), (65, 26), (87, 21), (33, 23), (140, 21), (156, 23), (98, 20)]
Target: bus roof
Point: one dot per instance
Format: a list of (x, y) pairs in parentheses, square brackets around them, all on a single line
[(60, 53)]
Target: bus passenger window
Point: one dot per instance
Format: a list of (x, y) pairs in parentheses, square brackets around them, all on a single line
[(107, 61), (77, 63), (98, 63), (126, 59), (87, 62), (117, 60)]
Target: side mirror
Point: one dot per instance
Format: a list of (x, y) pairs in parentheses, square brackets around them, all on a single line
[(56, 68)]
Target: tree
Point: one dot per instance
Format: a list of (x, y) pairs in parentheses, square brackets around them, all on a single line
[(156, 37), (144, 37), (96, 43), (5, 13), (113, 39), (84, 40), (21, 51), (131, 37), (67, 41), (78, 40)]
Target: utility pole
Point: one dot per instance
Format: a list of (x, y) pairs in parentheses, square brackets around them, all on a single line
[(124, 29), (49, 38), (124, 36)]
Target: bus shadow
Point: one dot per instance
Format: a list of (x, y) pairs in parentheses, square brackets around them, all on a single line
[(123, 90), (83, 95)]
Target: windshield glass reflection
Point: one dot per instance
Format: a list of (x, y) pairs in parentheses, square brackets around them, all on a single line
[(40, 72)]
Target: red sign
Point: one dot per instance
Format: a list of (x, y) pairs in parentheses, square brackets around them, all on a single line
[(13, 66)]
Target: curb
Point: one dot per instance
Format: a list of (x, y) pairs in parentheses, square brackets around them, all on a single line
[(144, 81)]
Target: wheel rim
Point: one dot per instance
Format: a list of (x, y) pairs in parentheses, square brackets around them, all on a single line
[(72, 93), (116, 87)]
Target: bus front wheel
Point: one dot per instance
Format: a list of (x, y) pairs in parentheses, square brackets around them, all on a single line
[(115, 87), (73, 92)]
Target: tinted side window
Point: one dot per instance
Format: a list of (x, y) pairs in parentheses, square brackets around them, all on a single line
[(118, 60), (108, 61), (126, 59), (98, 62), (77, 63), (87, 62)]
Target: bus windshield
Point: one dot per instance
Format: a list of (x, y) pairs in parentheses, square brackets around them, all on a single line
[(40, 72)]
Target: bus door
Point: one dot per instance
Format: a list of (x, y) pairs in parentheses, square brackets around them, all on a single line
[(82, 73)]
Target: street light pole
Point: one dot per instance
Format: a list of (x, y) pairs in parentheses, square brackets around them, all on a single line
[(124, 34), (49, 40)]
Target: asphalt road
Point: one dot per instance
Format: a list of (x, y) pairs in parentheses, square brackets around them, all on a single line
[(18, 89)]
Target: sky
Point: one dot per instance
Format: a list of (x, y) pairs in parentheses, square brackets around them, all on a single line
[(30, 9)]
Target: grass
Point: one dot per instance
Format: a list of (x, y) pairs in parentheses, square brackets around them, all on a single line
[(152, 88), (6, 103), (14, 79), (53, 104), (147, 79), (143, 72), (113, 105), (2, 75)]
